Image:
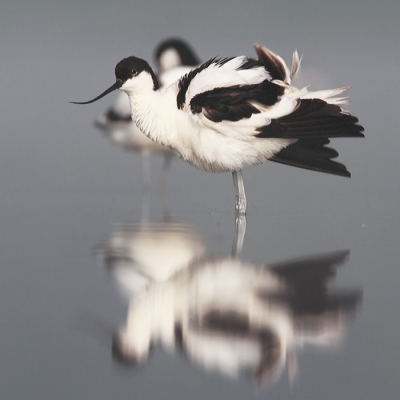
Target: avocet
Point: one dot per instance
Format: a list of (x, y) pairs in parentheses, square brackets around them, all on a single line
[(232, 112)]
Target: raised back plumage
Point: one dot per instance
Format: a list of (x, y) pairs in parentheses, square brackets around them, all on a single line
[(273, 63), (231, 112)]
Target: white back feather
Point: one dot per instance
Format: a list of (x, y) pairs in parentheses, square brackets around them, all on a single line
[(226, 75)]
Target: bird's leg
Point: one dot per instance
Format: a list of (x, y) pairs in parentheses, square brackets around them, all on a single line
[(240, 196), (240, 230), (146, 186), (165, 169), (163, 186)]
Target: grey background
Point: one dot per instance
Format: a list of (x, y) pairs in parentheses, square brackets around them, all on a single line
[(63, 189)]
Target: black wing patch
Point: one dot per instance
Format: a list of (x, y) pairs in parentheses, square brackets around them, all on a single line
[(185, 81), (233, 103), (229, 103), (313, 118), (313, 155)]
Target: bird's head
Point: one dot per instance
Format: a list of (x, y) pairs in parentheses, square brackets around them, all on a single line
[(174, 52), (132, 75)]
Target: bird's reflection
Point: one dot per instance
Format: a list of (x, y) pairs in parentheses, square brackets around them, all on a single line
[(140, 255), (224, 314)]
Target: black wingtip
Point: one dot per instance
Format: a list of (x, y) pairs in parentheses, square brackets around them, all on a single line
[(312, 154), (313, 118)]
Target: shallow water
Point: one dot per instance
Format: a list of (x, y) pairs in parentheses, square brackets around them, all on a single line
[(84, 241)]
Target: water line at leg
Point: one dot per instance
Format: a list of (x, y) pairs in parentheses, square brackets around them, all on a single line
[(240, 195)]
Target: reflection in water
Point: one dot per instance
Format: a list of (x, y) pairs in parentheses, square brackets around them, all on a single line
[(224, 314), (126, 134), (142, 254)]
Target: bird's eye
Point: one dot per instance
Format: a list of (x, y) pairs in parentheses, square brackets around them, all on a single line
[(134, 72)]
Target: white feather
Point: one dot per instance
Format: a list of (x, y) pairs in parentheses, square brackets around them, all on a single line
[(217, 146)]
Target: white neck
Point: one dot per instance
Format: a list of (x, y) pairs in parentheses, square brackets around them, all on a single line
[(156, 113), (148, 112)]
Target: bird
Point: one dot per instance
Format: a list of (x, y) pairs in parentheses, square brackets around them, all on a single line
[(173, 57), (232, 112)]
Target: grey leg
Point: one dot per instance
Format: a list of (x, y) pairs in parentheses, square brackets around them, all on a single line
[(240, 231), (163, 186), (240, 196), (145, 186)]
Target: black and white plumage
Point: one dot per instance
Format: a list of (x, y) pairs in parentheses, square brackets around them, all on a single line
[(232, 112), (174, 58)]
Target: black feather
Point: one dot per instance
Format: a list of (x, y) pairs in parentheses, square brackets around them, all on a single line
[(228, 103), (233, 103), (272, 64), (311, 154), (313, 118), (185, 81)]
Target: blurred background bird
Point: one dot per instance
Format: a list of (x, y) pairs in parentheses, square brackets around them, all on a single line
[(173, 58)]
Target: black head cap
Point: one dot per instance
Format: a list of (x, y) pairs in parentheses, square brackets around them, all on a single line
[(186, 53), (133, 66)]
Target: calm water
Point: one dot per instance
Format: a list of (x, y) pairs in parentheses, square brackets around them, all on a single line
[(111, 288)]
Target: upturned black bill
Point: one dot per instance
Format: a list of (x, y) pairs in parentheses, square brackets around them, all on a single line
[(116, 86)]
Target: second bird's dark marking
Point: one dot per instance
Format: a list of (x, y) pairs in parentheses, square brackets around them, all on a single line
[(185, 52), (114, 116)]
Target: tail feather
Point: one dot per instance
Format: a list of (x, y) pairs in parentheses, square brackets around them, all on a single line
[(296, 61), (328, 95), (314, 118), (313, 155)]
